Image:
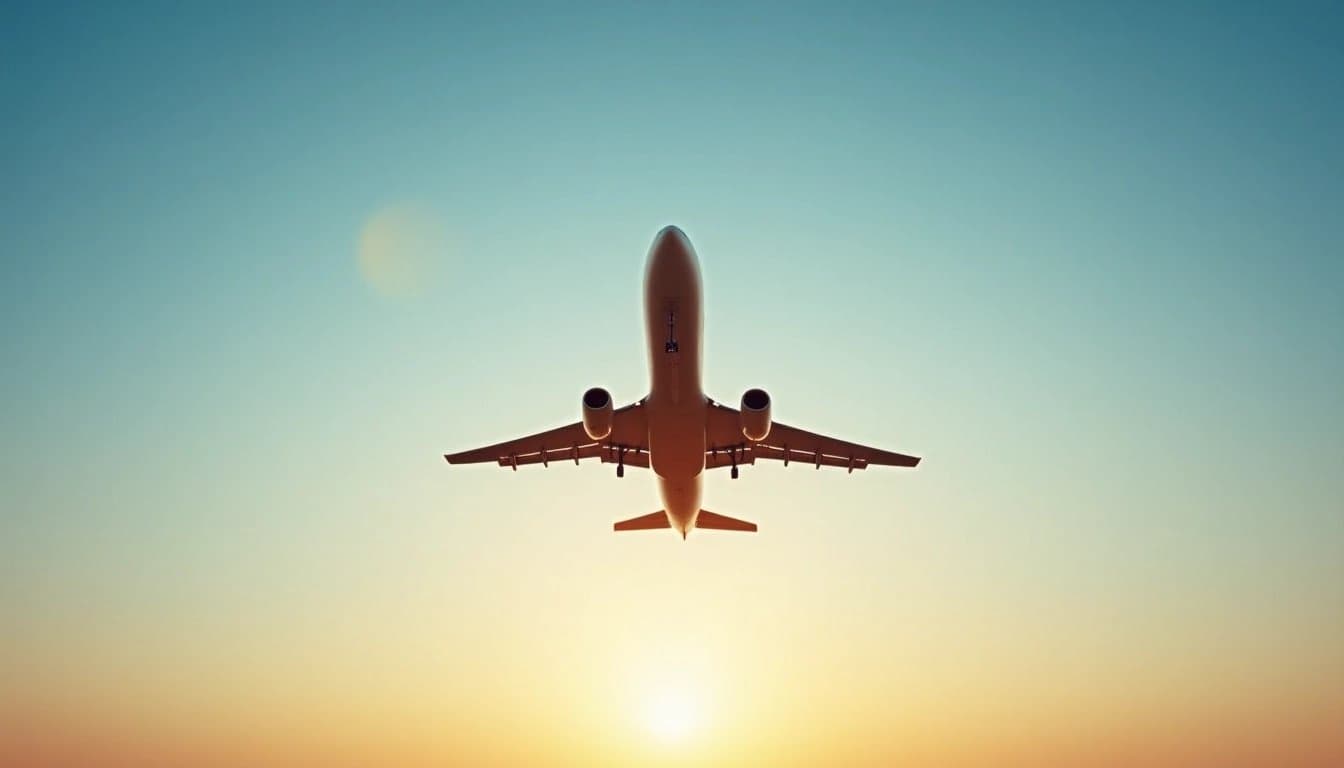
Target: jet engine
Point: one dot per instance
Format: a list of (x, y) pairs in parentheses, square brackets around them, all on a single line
[(755, 414), (597, 412)]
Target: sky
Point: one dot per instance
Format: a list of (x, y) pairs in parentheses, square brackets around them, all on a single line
[(264, 264)]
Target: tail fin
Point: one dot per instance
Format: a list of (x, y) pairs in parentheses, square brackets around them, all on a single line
[(715, 522), (706, 519), (644, 522)]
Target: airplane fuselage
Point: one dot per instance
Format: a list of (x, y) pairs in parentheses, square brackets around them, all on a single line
[(676, 405)]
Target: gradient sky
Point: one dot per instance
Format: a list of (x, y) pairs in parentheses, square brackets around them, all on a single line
[(1088, 262)]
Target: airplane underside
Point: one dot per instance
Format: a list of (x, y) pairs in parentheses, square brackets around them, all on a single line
[(676, 430)]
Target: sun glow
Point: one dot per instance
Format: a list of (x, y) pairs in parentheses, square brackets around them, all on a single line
[(673, 714)]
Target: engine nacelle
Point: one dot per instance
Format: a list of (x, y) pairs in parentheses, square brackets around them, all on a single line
[(755, 412), (597, 412)]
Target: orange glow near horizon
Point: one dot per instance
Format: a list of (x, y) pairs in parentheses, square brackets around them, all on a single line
[(604, 671)]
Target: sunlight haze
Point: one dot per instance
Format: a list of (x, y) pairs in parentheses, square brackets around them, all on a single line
[(265, 265)]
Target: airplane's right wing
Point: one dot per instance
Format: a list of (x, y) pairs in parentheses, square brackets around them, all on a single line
[(627, 444), (728, 447)]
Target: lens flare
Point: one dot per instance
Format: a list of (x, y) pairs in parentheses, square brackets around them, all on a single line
[(399, 248)]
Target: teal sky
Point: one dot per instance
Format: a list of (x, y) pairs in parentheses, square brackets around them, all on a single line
[(1087, 262)]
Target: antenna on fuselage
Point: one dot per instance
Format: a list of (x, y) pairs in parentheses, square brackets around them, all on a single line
[(671, 345)]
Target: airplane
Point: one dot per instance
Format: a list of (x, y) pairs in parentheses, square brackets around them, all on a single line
[(676, 430)]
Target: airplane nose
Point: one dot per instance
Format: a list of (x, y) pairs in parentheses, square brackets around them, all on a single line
[(671, 253), (671, 240)]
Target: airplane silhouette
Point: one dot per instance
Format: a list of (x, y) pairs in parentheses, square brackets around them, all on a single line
[(676, 430)]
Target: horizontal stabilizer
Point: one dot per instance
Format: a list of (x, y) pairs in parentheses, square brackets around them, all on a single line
[(644, 522), (715, 522)]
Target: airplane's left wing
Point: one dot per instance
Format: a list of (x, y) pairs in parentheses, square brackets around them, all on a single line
[(627, 444), (727, 446)]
